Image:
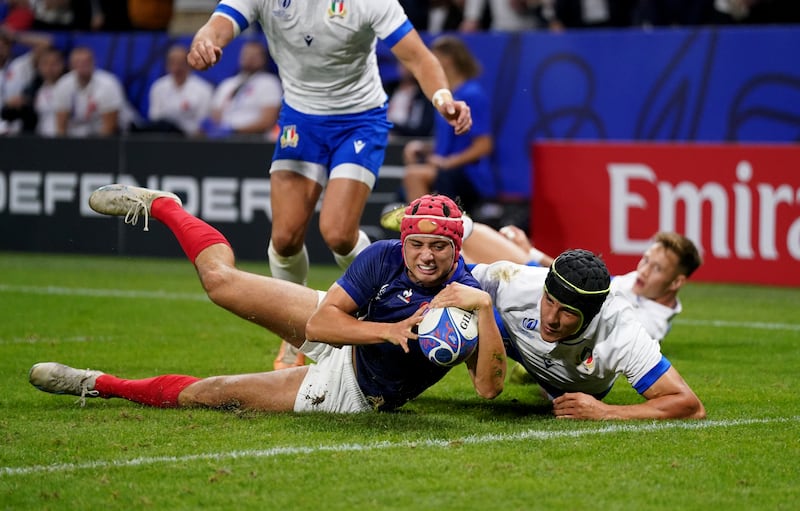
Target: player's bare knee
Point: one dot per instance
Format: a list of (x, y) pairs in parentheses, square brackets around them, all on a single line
[(190, 396), (338, 240), (217, 281), (287, 244)]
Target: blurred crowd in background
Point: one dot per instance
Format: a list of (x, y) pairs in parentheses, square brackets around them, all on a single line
[(94, 101), (431, 16), (47, 92)]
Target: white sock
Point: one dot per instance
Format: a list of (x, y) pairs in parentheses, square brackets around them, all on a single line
[(293, 268), (344, 260)]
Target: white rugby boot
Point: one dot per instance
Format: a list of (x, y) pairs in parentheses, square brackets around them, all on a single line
[(58, 378), (127, 201)]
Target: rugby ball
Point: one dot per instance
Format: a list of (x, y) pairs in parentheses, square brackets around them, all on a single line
[(449, 335)]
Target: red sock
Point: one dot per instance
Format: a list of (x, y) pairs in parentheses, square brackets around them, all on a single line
[(194, 235), (161, 391)]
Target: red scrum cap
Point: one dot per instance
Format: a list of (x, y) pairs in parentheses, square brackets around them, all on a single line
[(434, 215)]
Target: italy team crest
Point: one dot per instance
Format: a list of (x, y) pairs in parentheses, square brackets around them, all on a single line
[(337, 9), (289, 136), (586, 361)]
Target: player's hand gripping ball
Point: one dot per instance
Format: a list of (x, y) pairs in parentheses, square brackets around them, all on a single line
[(448, 336)]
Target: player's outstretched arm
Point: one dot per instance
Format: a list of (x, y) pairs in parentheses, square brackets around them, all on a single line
[(334, 323), (668, 398), (207, 44), (427, 70), (487, 365)]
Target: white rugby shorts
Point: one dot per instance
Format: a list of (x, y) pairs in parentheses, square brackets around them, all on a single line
[(330, 384)]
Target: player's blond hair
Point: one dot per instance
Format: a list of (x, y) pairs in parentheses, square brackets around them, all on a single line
[(689, 258)]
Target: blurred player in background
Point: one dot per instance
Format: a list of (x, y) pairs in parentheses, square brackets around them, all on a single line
[(576, 338), (333, 126), (361, 335)]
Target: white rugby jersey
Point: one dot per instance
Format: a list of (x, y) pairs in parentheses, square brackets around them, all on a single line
[(655, 317), (86, 105), (324, 49), (185, 105), (615, 343)]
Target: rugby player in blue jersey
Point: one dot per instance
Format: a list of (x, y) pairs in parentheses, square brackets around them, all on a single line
[(333, 121), (360, 333)]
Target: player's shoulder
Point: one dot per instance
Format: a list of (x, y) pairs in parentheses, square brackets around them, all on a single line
[(383, 251), (463, 275), (620, 321)]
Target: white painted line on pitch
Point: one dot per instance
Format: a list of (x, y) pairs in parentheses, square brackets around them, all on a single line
[(737, 324), (113, 293), (46, 340), (165, 295), (531, 434)]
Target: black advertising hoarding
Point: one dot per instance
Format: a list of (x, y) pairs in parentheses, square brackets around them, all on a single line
[(45, 185)]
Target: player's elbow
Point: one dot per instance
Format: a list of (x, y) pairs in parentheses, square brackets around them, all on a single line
[(689, 407), (491, 388), (698, 411), (490, 392), (315, 327)]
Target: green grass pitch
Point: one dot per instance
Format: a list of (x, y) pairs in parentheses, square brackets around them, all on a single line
[(737, 346)]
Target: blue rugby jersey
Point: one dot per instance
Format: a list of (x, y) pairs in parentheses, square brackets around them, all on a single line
[(377, 281)]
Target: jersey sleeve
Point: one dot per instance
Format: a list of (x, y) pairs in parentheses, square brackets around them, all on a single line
[(240, 12), (481, 274), (634, 353), (389, 21), (364, 276)]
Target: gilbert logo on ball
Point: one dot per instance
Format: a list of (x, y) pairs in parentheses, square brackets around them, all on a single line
[(448, 336)]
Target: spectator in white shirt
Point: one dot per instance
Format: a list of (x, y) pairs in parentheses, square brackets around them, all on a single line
[(179, 100), (88, 100), (249, 102)]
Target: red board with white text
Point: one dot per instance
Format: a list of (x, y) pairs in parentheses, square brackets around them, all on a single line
[(739, 203)]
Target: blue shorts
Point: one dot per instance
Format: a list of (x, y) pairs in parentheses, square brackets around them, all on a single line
[(323, 147)]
